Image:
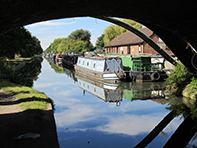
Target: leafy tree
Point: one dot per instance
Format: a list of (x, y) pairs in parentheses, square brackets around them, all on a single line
[(78, 41), (19, 41), (113, 31), (53, 46), (100, 42), (62, 46), (79, 46), (80, 34)]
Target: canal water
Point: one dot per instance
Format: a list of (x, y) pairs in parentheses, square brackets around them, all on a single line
[(89, 114)]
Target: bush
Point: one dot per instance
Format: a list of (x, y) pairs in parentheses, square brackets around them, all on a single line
[(178, 79)]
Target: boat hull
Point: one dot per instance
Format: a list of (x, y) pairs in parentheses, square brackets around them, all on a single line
[(106, 77), (97, 68), (148, 76), (69, 60)]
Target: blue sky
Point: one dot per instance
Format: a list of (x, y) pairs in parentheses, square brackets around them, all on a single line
[(48, 31)]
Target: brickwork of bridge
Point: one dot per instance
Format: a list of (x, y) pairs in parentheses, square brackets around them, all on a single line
[(174, 21)]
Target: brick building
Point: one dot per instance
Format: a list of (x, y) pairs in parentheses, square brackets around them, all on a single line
[(129, 43)]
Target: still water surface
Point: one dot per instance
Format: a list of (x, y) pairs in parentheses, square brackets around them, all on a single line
[(112, 116)]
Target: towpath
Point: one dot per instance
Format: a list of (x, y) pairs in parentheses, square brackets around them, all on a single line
[(15, 122)]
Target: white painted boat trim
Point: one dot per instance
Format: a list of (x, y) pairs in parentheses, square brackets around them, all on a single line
[(109, 87), (113, 75)]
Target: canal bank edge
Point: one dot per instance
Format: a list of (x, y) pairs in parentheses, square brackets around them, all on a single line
[(181, 82), (16, 121), (190, 92)]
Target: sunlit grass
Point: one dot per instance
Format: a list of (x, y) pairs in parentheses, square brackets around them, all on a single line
[(29, 99)]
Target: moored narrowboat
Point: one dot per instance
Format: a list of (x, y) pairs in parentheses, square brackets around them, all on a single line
[(69, 61), (99, 68), (140, 68)]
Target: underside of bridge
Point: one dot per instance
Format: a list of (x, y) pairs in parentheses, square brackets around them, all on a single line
[(174, 21)]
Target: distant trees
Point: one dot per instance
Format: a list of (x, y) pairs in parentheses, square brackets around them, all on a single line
[(78, 41), (19, 41), (100, 42), (53, 46), (113, 31), (80, 34)]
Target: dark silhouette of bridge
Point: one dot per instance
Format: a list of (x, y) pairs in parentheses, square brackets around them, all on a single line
[(174, 21)]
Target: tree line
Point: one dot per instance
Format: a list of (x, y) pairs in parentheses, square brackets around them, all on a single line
[(20, 42), (79, 41)]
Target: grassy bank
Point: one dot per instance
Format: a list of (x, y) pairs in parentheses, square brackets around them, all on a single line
[(181, 82), (28, 98)]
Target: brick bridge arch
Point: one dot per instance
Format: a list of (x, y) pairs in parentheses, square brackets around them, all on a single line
[(174, 21)]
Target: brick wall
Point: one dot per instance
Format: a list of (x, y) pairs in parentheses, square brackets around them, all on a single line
[(136, 49), (150, 50)]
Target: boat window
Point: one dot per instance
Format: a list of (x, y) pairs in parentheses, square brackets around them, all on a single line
[(94, 65), (83, 62), (87, 63), (79, 61), (94, 89)]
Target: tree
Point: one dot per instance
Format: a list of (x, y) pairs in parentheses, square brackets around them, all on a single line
[(19, 41), (79, 46), (78, 41), (100, 42), (80, 34), (113, 31), (62, 45), (53, 46)]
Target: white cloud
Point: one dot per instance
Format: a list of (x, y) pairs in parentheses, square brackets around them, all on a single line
[(52, 23), (134, 125), (74, 114)]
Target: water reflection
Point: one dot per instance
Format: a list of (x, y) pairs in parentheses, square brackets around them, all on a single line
[(87, 116), (115, 92), (29, 73)]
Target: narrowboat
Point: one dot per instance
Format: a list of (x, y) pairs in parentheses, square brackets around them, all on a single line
[(69, 61), (100, 68), (140, 68)]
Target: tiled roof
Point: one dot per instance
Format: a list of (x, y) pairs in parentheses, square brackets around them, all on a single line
[(129, 38)]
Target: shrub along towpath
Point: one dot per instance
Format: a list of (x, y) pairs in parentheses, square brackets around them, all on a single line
[(26, 118)]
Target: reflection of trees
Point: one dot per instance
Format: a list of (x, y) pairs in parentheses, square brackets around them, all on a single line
[(183, 106), (28, 73), (57, 69)]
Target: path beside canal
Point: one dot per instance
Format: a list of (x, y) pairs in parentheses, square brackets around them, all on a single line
[(14, 122)]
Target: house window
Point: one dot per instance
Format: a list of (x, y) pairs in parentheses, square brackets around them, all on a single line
[(139, 48)]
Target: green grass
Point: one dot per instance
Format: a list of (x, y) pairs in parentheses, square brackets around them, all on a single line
[(28, 98), (177, 80)]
